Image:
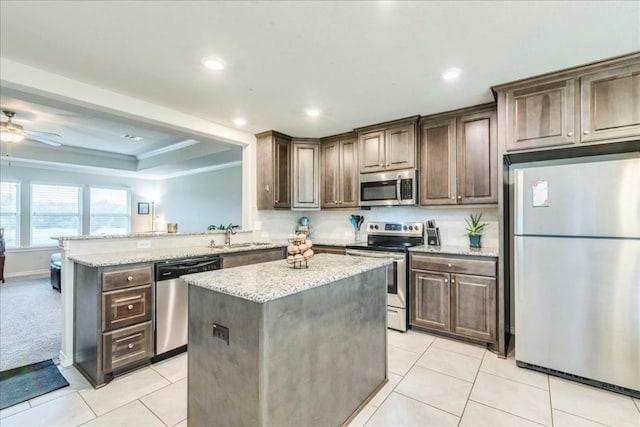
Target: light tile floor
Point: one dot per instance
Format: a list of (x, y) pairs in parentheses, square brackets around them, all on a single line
[(432, 382)]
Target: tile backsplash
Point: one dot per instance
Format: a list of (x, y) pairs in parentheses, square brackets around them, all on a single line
[(330, 224)]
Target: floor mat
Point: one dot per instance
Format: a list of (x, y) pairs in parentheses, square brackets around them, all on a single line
[(27, 382)]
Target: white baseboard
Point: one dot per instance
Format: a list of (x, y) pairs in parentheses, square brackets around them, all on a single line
[(27, 273), (64, 360)]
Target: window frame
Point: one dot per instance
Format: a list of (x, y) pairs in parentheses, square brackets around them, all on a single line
[(80, 213), (17, 214), (92, 214)]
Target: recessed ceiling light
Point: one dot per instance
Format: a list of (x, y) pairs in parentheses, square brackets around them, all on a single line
[(313, 113), (451, 74), (239, 121), (211, 63)]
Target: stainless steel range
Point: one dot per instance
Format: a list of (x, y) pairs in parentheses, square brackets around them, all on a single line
[(392, 240)]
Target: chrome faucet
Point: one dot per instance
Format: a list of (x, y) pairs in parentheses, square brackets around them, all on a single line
[(230, 230)]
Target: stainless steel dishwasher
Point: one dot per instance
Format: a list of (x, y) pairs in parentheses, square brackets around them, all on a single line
[(172, 302)]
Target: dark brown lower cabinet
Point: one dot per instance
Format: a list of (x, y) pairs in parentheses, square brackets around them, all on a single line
[(443, 299), (113, 312)]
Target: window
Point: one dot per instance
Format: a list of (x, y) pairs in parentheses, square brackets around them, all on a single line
[(10, 213), (55, 211), (110, 212)]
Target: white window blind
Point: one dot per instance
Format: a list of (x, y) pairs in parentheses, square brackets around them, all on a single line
[(10, 213), (110, 211), (55, 211)]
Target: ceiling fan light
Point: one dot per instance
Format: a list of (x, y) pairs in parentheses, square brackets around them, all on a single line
[(11, 132)]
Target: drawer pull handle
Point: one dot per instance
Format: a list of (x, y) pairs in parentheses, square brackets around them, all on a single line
[(129, 278), (130, 306), (130, 346)]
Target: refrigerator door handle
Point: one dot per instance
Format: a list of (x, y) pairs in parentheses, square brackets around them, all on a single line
[(518, 267), (519, 202)]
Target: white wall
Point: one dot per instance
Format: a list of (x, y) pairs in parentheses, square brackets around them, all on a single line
[(335, 224), (196, 201)]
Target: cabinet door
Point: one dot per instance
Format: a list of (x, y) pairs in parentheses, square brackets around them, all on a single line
[(306, 175), (438, 163), (477, 159), (611, 104), (473, 308), (281, 173), (541, 116), (400, 150), (430, 302), (330, 155), (372, 151), (349, 176)]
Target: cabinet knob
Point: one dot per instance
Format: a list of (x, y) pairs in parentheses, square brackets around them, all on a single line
[(130, 346), (388, 164), (446, 281), (266, 187), (276, 200), (586, 132), (381, 165), (130, 307), (449, 265), (453, 280), (453, 197), (570, 134), (459, 197), (129, 278)]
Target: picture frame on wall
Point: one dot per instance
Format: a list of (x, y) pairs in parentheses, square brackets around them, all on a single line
[(143, 208)]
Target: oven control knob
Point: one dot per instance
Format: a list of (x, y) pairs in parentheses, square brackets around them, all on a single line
[(404, 227), (375, 226), (411, 227)]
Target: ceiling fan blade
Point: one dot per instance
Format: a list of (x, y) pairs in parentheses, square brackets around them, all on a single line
[(43, 140), (47, 135)]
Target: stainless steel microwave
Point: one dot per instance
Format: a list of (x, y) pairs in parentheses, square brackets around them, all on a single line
[(393, 188)]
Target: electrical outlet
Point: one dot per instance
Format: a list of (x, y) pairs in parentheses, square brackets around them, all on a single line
[(144, 244), (221, 332)]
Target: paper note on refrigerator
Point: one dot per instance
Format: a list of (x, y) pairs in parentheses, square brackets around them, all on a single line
[(540, 193)]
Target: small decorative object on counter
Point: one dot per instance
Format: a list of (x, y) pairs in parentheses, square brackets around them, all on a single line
[(299, 250), (474, 229), (356, 221)]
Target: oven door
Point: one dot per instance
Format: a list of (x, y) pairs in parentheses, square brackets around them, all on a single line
[(396, 275)]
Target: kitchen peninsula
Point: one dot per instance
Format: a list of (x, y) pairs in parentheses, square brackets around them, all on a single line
[(274, 345)]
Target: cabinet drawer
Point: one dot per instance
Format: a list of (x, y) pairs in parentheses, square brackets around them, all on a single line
[(454, 265), (125, 346), (126, 278), (126, 307)]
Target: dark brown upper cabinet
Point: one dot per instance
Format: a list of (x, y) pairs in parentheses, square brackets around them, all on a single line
[(592, 104), (339, 171), (458, 157), (388, 146), (273, 174)]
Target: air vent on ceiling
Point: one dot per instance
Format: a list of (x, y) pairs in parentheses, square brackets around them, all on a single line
[(133, 137)]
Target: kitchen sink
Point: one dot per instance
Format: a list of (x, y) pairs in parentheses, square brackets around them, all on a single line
[(240, 245)]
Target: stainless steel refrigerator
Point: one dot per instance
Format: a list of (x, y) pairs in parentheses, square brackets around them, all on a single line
[(576, 257)]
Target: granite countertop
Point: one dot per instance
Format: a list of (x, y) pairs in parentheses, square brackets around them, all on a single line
[(268, 281), (456, 250), (144, 235), (152, 255)]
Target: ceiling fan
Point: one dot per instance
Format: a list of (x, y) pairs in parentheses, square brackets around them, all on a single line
[(12, 132)]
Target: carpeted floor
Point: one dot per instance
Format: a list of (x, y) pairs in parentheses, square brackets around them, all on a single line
[(30, 322)]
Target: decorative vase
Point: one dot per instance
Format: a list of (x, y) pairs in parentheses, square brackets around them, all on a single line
[(474, 240)]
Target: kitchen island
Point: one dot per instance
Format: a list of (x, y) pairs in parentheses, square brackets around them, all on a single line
[(270, 345)]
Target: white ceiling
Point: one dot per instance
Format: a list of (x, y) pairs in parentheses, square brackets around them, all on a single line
[(358, 62)]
